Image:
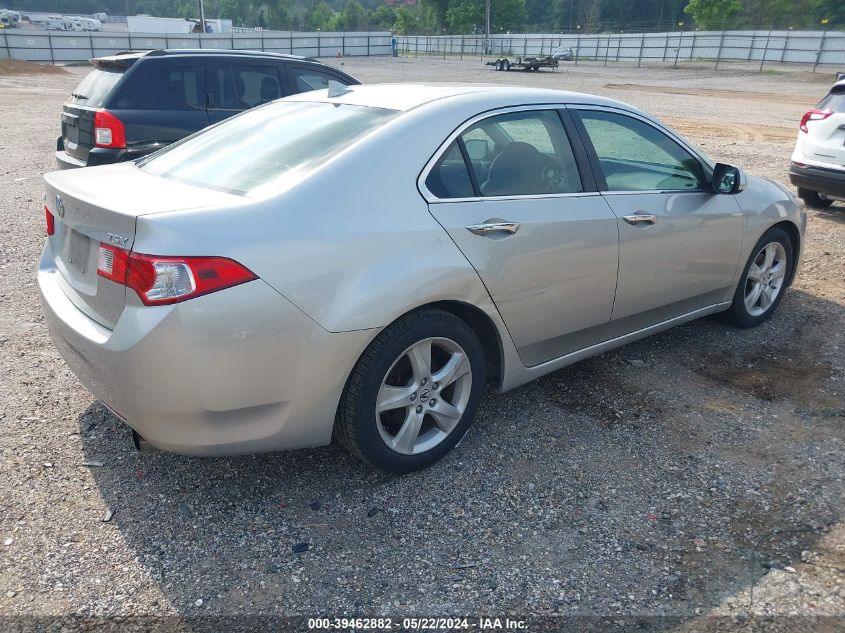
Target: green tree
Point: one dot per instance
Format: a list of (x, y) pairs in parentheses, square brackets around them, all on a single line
[(464, 16), (354, 17), (320, 17), (383, 18), (406, 21), (714, 14)]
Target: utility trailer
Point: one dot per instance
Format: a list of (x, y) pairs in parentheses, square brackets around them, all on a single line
[(529, 63), (533, 63)]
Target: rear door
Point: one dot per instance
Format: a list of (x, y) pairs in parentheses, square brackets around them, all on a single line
[(162, 101), (235, 87), (825, 141), (527, 217)]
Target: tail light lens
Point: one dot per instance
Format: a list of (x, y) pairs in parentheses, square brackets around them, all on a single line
[(51, 221), (108, 130), (166, 280), (813, 115)]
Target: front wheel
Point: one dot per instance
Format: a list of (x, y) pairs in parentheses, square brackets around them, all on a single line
[(413, 393), (763, 280)]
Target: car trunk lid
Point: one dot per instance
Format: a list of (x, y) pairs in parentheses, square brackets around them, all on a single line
[(101, 204)]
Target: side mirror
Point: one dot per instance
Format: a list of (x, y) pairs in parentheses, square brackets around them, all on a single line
[(477, 148), (727, 179)]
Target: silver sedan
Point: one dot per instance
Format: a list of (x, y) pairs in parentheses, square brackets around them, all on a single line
[(361, 262)]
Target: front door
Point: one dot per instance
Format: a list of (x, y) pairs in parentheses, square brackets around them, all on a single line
[(679, 242), (544, 243)]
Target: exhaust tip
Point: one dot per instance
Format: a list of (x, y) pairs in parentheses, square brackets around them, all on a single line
[(141, 445)]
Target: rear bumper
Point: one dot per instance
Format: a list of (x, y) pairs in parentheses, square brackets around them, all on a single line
[(819, 179), (233, 372), (97, 156)]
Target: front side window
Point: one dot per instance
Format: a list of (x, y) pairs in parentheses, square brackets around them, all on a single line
[(635, 156), (265, 150), (515, 154)]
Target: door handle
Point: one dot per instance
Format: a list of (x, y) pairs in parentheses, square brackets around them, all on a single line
[(494, 227), (640, 218)]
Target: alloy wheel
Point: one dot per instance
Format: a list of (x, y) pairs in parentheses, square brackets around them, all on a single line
[(423, 396), (765, 278)]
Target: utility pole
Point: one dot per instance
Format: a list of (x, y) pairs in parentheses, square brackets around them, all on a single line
[(202, 17), (571, 11), (487, 26)]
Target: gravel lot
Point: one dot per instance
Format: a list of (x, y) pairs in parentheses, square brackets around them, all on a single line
[(690, 482)]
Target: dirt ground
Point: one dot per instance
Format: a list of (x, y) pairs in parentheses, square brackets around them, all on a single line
[(689, 482)]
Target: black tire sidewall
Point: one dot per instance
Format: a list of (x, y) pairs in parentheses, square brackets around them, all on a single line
[(369, 439), (738, 312)]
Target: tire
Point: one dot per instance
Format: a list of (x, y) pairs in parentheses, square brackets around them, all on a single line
[(498, 64), (535, 66), (746, 310), (813, 199), (385, 373), (507, 64)]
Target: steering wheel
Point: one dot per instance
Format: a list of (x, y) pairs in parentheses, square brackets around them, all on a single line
[(551, 176)]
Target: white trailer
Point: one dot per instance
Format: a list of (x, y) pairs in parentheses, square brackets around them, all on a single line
[(150, 24)]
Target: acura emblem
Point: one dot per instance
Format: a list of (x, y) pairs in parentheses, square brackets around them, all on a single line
[(60, 206)]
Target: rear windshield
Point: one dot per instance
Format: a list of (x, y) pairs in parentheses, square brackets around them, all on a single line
[(266, 149), (96, 86), (834, 102)]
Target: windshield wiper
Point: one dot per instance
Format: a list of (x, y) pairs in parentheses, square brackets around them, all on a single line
[(76, 95)]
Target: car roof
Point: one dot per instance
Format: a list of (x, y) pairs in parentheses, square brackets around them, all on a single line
[(126, 58), (409, 96)]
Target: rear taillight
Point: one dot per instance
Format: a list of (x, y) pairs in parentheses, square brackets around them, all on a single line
[(108, 130), (166, 280), (51, 222), (813, 115)]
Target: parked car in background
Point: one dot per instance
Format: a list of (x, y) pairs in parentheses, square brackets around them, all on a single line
[(364, 261), (135, 103), (818, 162)]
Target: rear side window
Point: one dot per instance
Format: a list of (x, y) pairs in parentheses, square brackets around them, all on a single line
[(266, 150), (188, 84), (305, 79), (835, 102), (449, 178), (97, 85)]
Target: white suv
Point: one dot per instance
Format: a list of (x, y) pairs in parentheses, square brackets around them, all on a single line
[(818, 162)]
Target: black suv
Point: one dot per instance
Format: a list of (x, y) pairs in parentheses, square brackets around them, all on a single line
[(134, 103)]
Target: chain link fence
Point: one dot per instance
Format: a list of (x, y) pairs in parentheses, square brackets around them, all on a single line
[(61, 47), (759, 48)]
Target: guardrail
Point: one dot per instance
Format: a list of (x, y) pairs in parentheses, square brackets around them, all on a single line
[(65, 47), (808, 48)]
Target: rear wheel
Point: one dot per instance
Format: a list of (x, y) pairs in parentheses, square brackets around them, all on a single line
[(413, 393), (763, 280), (507, 64), (813, 199), (498, 64)]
